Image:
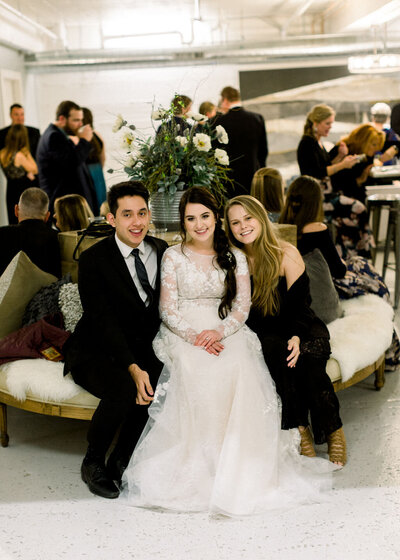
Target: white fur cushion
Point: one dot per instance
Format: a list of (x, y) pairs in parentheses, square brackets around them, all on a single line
[(42, 378), (363, 334)]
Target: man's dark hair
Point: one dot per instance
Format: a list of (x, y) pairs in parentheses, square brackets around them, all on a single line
[(127, 188), (230, 94), (64, 109), (15, 106)]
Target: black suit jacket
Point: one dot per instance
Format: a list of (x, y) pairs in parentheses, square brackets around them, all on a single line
[(62, 167), (36, 239), (116, 326), (33, 135), (247, 147)]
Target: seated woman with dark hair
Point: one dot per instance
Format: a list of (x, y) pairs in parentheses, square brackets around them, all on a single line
[(353, 277), (267, 187), (72, 212)]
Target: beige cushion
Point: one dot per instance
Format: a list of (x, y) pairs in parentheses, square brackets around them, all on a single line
[(18, 284), (333, 370)]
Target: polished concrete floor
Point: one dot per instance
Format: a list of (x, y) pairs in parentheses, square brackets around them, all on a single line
[(46, 512)]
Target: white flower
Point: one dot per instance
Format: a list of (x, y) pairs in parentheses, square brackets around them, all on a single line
[(222, 135), (159, 114), (202, 142), (119, 123), (127, 140), (198, 117), (182, 140), (221, 156), (130, 161)]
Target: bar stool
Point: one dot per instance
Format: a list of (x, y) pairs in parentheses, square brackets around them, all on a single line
[(375, 202)]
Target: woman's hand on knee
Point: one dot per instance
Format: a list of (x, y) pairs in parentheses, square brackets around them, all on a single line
[(294, 349), (207, 339)]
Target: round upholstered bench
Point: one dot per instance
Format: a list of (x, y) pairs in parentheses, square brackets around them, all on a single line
[(78, 404)]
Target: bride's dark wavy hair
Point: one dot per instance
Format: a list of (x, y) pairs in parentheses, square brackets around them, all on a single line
[(225, 258)]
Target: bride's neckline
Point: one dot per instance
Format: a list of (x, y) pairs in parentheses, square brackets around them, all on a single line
[(198, 253)]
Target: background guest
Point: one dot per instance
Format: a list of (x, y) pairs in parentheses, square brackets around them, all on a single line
[(347, 215), (62, 153), (353, 277), (18, 165), (247, 147), (267, 187), (208, 109), (96, 159), (72, 212), (380, 115), (31, 235), (17, 115)]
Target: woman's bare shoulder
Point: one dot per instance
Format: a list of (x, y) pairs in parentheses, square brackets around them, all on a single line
[(314, 227)]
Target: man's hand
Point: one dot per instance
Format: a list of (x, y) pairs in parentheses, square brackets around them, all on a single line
[(86, 132), (142, 381)]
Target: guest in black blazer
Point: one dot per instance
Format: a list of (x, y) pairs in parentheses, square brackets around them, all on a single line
[(110, 353), (31, 235), (61, 156), (248, 146), (17, 115)]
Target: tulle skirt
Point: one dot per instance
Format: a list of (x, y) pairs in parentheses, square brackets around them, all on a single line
[(213, 440)]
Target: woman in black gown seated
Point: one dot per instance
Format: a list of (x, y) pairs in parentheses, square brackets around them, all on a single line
[(346, 212), (295, 342), (353, 277)]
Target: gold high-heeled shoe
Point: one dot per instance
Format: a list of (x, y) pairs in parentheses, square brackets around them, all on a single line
[(306, 443), (337, 447)]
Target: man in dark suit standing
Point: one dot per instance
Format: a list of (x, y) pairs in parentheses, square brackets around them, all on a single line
[(247, 147), (17, 115), (31, 234), (62, 153), (110, 353)]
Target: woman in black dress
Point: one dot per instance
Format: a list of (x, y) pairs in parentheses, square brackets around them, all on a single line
[(295, 342), (348, 214)]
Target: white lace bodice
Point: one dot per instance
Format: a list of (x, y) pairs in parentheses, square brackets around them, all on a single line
[(190, 280)]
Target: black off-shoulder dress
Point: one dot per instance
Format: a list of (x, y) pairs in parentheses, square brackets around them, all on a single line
[(306, 390)]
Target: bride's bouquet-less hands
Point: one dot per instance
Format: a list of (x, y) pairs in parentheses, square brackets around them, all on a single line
[(178, 156)]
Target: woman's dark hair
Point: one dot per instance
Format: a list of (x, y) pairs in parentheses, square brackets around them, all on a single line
[(303, 203), (88, 119), (225, 258)]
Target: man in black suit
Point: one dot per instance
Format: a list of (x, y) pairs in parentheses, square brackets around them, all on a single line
[(17, 115), (31, 234), (62, 153), (110, 353), (247, 147)]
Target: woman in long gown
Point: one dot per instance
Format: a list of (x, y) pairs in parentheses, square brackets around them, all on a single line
[(295, 342), (213, 440)]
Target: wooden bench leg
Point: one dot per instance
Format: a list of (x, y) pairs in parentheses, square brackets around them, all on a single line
[(380, 376), (3, 425)]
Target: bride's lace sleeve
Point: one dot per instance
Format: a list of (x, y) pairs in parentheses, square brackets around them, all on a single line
[(242, 302), (169, 298)]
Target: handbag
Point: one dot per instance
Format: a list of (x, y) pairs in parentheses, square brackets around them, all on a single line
[(95, 229)]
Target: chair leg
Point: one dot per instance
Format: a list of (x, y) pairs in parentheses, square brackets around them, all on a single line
[(380, 376), (389, 237), (3, 425), (376, 220), (396, 217)]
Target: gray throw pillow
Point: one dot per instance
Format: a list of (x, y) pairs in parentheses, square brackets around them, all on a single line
[(325, 299)]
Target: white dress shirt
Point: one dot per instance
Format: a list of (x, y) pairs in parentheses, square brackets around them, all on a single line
[(148, 256)]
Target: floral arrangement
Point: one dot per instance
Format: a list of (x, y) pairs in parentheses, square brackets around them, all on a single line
[(175, 159)]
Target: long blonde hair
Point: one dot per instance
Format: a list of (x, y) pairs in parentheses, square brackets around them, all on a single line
[(359, 138), (317, 114), (267, 187), (266, 252), (72, 212)]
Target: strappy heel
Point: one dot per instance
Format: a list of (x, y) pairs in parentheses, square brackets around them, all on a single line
[(337, 447), (306, 443)]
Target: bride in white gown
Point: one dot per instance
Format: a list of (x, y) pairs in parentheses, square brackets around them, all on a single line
[(213, 440)]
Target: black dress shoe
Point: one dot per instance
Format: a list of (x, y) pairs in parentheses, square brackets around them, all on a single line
[(116, 467), (95, 475)]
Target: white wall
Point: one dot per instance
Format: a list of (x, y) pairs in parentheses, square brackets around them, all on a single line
[(9, 60), (131, 92)]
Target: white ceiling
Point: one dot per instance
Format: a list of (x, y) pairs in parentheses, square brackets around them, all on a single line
[(241, 29)]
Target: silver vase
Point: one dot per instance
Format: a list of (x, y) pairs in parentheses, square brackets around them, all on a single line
[(165, 211)]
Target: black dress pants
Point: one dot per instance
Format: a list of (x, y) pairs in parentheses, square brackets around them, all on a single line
[(116, 390), (306, 390)]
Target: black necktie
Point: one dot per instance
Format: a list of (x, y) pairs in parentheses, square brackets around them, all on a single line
[(142, 275)]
